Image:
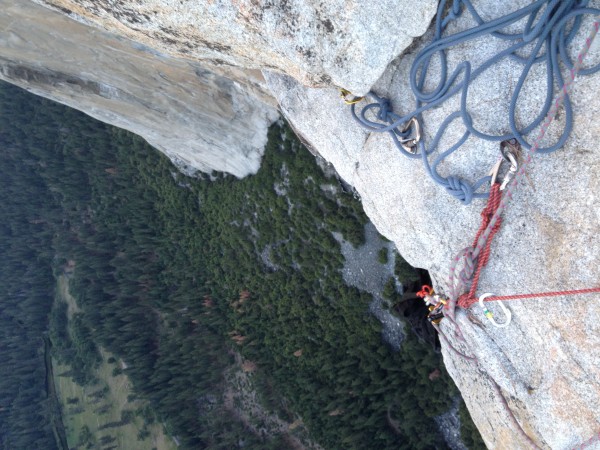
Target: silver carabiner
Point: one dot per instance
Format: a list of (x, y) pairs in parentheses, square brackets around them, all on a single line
[(494, 172), (509, 150), (410, 144), (511, 172), (489, 314)]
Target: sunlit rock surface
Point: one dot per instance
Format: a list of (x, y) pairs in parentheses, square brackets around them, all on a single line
[(347, 43)]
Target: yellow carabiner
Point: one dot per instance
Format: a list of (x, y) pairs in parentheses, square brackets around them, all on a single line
[(344, 93)]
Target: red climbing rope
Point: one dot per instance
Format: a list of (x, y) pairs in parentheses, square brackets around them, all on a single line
[(466, 300), (542, 294)]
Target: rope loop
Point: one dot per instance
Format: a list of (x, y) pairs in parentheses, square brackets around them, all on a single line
[(549, 27)]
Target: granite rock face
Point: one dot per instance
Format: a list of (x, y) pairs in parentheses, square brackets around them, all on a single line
[(200, 119), (186, 75), (547, 362), (346, 43)]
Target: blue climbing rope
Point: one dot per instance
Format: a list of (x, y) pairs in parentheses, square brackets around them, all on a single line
[(550, 26)]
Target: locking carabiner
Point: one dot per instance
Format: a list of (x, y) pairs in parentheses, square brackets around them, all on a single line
[(510, 151), (508, 155), (511, 172)]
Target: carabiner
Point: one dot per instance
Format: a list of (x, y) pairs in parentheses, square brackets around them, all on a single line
[(410, 144), (494, 172), (344, 93), (509, 150), (511, 172), (489, 314)]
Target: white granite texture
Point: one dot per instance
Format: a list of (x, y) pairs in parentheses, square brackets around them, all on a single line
[(347, 43)]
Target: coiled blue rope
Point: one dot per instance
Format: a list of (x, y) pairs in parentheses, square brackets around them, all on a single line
[(550, 27)]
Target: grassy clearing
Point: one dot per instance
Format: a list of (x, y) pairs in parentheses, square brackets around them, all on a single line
[(87, 410)]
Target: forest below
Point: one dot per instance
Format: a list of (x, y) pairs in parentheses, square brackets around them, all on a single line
[(182, 278)]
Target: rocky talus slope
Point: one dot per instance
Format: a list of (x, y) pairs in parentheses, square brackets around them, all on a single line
[(201, 80)]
